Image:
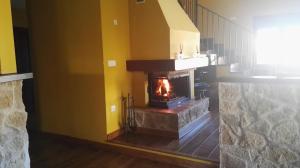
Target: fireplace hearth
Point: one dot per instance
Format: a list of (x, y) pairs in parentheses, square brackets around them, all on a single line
[(168, 89)]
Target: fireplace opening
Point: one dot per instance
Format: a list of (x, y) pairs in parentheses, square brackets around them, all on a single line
[(163, 89), (168, 90)]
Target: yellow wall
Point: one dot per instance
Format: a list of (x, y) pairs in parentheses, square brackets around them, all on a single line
[(116, 46), (189, 40), (182, 29), (149, 30), (68, 66), (158, 28), (140, 84), (7, 49), (176, 17)]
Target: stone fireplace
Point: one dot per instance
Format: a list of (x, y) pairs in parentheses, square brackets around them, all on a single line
[(172, 109), (165, 50)]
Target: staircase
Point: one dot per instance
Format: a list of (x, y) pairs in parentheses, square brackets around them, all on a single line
[(230, 42)]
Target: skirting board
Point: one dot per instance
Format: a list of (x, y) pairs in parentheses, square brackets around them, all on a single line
[(115, 134), (148, 131)]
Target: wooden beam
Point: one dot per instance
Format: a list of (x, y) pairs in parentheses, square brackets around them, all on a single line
[(166, 65)]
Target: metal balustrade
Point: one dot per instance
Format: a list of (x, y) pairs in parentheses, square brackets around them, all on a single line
[(231, 42)]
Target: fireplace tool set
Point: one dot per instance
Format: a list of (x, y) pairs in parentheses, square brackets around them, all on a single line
[(128, 114)]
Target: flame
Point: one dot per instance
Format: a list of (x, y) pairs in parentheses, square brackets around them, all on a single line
[(167, 86), (163, 88)]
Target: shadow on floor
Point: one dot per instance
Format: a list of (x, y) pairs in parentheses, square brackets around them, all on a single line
[(48, 151)]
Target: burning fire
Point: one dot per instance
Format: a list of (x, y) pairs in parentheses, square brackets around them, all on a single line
[(163, 88)]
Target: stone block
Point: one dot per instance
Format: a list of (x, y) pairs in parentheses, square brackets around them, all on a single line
[(286, 132), (280, 115), (14, 147), (285, 94), (279, 155), (247, 119), (232, 122), (261, 127), (229, 107), (6, 96), (17, 90), (2, 119), (230, 92), (260, 162), (235, 151), (253, 141), (228, 161), (226, 137), (296, 164), (16, 120), (256, 101)]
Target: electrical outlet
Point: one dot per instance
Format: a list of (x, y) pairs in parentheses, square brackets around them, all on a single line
[(112, 63), (113, 108)]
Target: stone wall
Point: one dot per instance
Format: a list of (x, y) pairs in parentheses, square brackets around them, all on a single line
[(13, 133), (259, 125)]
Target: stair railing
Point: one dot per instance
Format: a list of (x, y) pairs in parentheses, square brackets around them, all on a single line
[(190, 7), (231, 42)]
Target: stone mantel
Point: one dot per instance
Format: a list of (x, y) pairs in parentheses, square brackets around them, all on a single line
[(259, 122), (15, 77)]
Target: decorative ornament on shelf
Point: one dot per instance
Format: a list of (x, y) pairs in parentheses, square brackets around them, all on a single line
[(180, 54)]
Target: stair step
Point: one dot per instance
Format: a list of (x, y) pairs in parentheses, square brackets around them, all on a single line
[(228, 55), (219, 49), (207, 44)]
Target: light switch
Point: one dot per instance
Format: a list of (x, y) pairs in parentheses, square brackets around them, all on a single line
[(112, 63), (116, 23), (113, 108)]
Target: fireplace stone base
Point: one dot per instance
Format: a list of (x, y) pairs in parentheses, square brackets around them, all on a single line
[(174, 122)]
